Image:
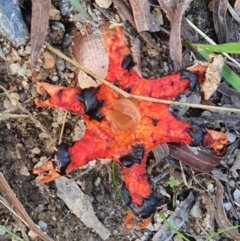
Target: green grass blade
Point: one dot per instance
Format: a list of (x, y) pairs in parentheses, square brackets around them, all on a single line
[(227, 73), (221, 231), (79, 7), (172, 228), (10, 233), (115, 181), (231, 48)]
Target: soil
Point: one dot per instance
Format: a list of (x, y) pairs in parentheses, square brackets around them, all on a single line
[(23, 145)]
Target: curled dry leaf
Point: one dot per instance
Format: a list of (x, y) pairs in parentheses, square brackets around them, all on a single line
[(143, 18), (220, 214), (89, 51), (174, 10), (159, 152), (39, 24), (213, 75), (219, 19), (212, 71), (202, 160)]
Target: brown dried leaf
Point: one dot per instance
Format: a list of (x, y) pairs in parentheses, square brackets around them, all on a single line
[(188, 33), (221, 216), (126, 12), (39, 24), (202, 160), (144, 20), (212, 76), (159, 152), (174, 10), (89, 51), (219, 19)]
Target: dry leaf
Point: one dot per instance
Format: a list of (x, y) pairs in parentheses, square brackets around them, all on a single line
[(202, 160), (79, 204), (19, 210), (213, 75), (174, 10), (220, 214), (219, 19), (89, 51), (159, 152), (144, 20), (39, 24)]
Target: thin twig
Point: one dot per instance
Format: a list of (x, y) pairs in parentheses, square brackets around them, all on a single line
[(138, 97), (62, 129), (24, 110), (19, 211), (211, 41)]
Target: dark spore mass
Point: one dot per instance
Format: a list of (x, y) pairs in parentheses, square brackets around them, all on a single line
[(62, 158), (127, 62), (135, 156), (91, 104)]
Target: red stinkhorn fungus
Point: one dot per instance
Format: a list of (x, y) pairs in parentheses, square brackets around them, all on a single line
[(123, 130)]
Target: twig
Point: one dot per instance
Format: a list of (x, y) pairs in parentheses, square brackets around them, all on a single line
[(233, 12), (4, 116), (138, 97), (211, 41), (62, 129), (24, 110), (19, 211)]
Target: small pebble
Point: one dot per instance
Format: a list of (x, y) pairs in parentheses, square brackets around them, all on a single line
[(103, 3), (43, 135), (236, 194), (196, 211), (42, 225), (232, 184), (227, 206), (49, 60), (24, 171), (115, 232), (25, 85), (55, 125), (32, 235), (97, 182), (14, 68), (54, 78), (231, 137), (60, 64), (7, 104), (14, 98), (2, 232), (210, 187), (22, 72), (54, 14), (40, 208), (152, 52), (36, 150)]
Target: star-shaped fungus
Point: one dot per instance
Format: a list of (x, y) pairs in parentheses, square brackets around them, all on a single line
[(122, 129)]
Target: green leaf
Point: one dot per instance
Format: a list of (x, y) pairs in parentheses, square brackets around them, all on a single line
[(231, 48), (227, 73), (172, 182)]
